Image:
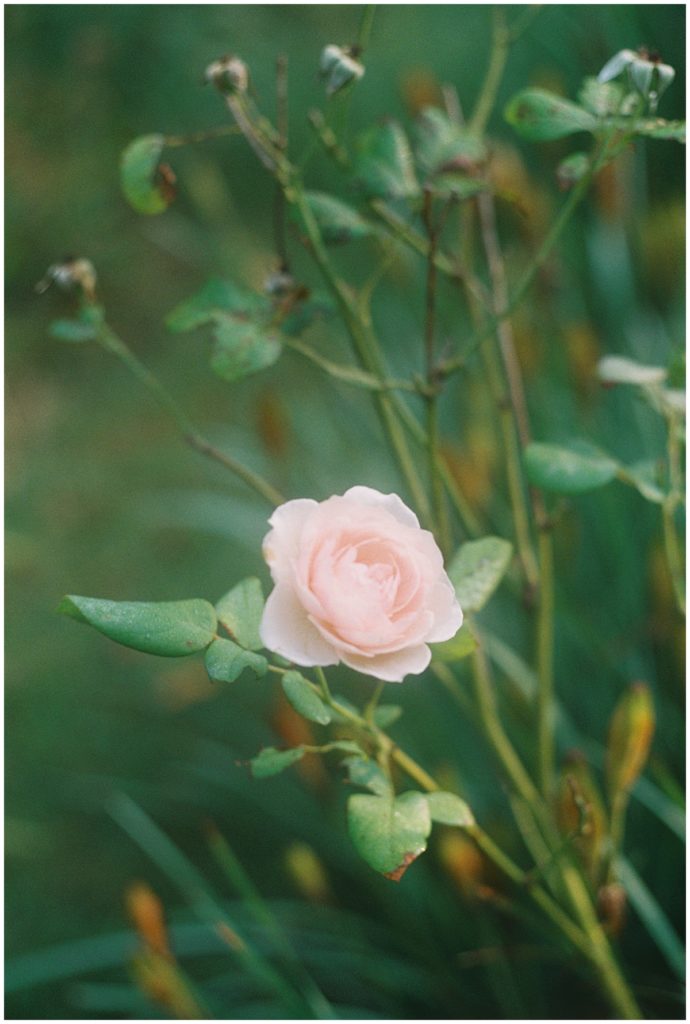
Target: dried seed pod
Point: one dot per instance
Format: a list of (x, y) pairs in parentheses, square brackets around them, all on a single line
[(630, 737)]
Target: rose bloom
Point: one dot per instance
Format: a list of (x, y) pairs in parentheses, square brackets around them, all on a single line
[(356, 580)]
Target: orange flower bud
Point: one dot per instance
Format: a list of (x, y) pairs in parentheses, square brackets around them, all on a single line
[(630, 737)]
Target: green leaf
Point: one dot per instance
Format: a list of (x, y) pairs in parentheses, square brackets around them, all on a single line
[(448, 809), (299, 692), (458, 647), (476, 570), (140, 177), (337, 221), (271, 761), (621, 370), (541, 116), (601, 98), (389, 833), (240, 611), (366, 773), (215, 296), (225, 661), (169, 628), (384, 168), (386, 715), (643, 477), (442, 145), (580, 467), (242, 347), (657, 128)]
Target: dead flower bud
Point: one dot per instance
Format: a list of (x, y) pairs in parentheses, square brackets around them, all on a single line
[(71, 273), (229, 74)]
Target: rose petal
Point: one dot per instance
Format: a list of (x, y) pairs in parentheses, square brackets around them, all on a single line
[(285, 629), (446, 610), (393, 667), (281, 544), (390, 502)]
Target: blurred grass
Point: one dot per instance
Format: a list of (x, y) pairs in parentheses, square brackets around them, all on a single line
[(102, 499)]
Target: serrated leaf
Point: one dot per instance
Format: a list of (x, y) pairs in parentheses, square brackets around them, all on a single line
[(225, 661), (215, 296), (301, 696), (442, 145), (541, 116), (458, 647), (337, 221), (271, 761), (476, 570), (384, 168), (389, 833), (621, 370), (573, 470), (240, 611), (170, 628), (657, 128), (366, 773), (449, 809), (139, 175), (386, 715), (242, 347)]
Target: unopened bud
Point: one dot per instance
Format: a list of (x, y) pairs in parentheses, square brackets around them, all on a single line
[(580, 810), (612, 904), (308, 873), (71, 273), (464, 863), (338, 67), (647, 74), (146, 912), (229, 74), (630, 737)]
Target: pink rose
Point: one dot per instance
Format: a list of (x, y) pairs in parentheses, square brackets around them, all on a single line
[(356, 580)]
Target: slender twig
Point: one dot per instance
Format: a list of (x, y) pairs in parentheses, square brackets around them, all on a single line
[(203, 136), (545, 691), (437, 494), (117, 347), (282, 120), (674, 555), (492, 81), (351, 375)]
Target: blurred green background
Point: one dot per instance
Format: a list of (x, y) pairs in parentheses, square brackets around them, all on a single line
[(103, 499)]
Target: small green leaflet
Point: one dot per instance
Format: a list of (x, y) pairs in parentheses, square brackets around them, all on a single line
[(242, 347), (337, 221), (580, 467), (366, 773), (572, 169), (240, 611), (301, 696), (73, 330), (448, 809), (442, 145), (140, 176), (225, 661), (601, 98), (476, 570), (657, 128), (458, 647), (170, 628), (214, 297), (271, 761), (384, 168), (389, 832), (386, 715), (541, 116)]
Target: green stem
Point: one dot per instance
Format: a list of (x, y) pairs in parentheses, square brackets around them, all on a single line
[(365, 27), (372, 704), (366, 348), (351, 375), (114, 344), (497, 62), (545, 693), (674, 556), (488, 711)]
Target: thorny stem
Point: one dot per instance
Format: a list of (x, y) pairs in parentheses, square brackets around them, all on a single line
[(114, 344)]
